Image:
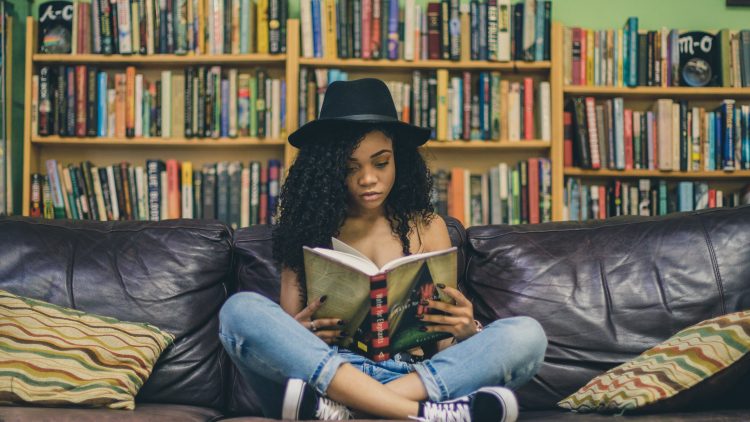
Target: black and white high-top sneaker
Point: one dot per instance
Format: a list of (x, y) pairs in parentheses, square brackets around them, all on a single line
[(302, 402), (488, 404)]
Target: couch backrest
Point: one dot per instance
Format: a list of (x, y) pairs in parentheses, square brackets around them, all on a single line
[(171, 274), (605, 291), (256, 271)]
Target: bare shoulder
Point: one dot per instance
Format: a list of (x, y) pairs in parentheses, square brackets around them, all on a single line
[(434, 232)]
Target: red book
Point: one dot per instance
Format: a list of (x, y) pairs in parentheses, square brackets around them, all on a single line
[(568, 139), (528, 108), (576, 56), (582, 73), (433, 31), (263, 205), (712, 198), (533, 190), (130, 101), (602, 202), (376, 40), (457, 192), (366, 29), (174, 205), (467, 106), (81, 90), (628, 127)]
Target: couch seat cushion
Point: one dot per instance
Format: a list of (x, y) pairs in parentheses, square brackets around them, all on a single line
[(142, 412)]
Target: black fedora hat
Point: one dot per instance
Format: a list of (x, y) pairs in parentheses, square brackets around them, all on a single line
[(358, 102)]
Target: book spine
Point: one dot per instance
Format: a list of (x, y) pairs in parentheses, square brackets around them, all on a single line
[(380, 341)]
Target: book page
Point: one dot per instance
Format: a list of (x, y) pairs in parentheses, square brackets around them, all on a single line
[(353, 261), (343, 247), (416, 257), (348, 290)]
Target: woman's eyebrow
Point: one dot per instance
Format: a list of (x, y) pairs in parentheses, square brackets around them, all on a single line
[(377, 154)]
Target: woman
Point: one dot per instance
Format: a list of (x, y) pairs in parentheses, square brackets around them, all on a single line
[(360, 178)]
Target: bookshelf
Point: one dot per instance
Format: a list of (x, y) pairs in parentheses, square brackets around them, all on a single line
[(107, 150)]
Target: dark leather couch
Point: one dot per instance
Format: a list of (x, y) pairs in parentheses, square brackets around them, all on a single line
[(604, 292)]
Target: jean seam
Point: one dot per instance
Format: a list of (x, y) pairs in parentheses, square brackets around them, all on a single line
[(324, 373), (430, 376)]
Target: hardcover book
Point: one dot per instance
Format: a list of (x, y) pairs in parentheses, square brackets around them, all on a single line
[(381, 307)]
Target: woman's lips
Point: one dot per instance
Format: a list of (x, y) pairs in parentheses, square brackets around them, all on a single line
[(370, 196)]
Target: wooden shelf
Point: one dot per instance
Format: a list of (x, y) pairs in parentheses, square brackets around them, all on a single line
[(649, 91), (162, 59), (157, 142), (489, 145), (426, 64), (720, 174)]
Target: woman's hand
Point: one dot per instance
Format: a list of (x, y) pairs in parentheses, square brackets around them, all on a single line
[(460, 319), (327, 329)]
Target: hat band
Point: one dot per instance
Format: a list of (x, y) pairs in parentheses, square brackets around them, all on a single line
[(376, 117)]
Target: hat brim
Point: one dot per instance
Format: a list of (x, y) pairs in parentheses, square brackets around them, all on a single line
[(317, 130)]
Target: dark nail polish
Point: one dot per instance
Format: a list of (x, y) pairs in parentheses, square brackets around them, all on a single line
[(343, 334), (441, 285), (423, 328), (341, 322), (419, 316), (425, 303), (323, 298)]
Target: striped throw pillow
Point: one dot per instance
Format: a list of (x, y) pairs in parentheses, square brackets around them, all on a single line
[(52, 356), (704, 359)]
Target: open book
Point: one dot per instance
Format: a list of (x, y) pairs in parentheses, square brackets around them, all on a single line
[(379, 305)]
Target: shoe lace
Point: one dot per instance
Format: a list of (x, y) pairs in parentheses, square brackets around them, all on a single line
[(445, 412), (329, 410)]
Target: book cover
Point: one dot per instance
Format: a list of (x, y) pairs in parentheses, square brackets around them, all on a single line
[(351, 281)]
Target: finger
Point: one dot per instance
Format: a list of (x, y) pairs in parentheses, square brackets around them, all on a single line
[(328, 323), (330, 334), (451, 309), (456, 294), (437, 329), (310, 309), (444, 319)]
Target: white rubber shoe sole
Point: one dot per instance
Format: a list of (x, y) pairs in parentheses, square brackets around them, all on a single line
[(507, 398), (292, 399)]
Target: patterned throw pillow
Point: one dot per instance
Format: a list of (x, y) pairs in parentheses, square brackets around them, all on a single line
[(50, 355), (705, 358)]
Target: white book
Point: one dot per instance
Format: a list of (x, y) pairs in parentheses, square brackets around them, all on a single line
[(98, 194), (504, 192), (269, 99), (492, 30), (245, 197), (456, 107), (305, 12), (405, 98), (545, 111), (186, 188), (664, 128), (275, 108), (529, 25), (141, 190), (218, 27), (124, 38), (232, 103), (514, 112), (467, 195), (149, 26), (139, 105), (166, 104), (164, 203), (113, 193), (324, 30), (619, 133), (409, 30)]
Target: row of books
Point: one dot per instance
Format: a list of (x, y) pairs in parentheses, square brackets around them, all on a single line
[(644, 197), (664, 57), (165, 27), (466, 106), (382, 29), (505, 194), (670, 136), (235, 193), (205, 101)]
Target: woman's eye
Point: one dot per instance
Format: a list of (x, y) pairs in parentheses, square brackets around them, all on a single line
[(351, 169), (381, 165)]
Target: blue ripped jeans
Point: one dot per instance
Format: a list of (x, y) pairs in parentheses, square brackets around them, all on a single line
[(269, 347)]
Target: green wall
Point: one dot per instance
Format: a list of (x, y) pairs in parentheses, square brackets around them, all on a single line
[(596, 14)]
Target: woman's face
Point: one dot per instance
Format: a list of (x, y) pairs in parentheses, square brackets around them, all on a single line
[(371, 172)]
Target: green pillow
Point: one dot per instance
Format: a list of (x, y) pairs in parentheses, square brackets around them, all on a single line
[(693, 365), (55, 356)]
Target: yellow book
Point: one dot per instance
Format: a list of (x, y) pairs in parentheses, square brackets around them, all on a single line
[(202, 26), (442, 104), (187, 189), (262, 26), (504, 88), (331, 42)]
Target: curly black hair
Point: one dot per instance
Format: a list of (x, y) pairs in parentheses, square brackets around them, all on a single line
[(313, 200)]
